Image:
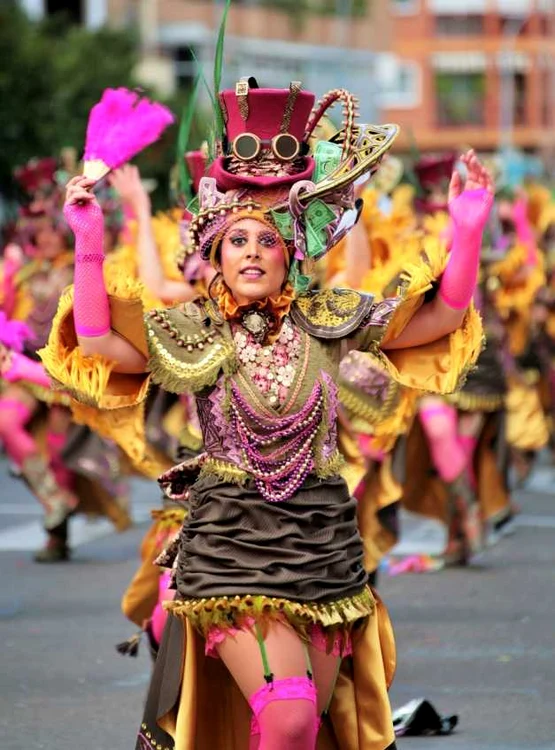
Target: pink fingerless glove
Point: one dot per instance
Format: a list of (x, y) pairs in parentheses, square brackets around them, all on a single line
[(11, 267), (524, 231), (23, 368), (91, 309), (469, 213)]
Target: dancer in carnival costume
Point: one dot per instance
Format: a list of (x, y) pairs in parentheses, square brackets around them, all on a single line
[(156, 251), (65, 466), (268, 567), (519, 277)]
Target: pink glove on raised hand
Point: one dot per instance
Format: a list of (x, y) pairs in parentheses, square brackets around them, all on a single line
[(524, 230), (91, 309), (22, 368), (469, 213)]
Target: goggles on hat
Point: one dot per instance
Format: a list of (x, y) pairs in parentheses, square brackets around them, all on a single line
[(247, 146)]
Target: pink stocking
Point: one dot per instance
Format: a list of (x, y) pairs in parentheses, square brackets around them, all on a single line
[(285, 715), (440, 425), (468, 443), (55, 442), (18, 443), (159, 615)]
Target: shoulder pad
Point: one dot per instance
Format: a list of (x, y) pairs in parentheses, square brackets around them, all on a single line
[(332, 313), (187, 351)]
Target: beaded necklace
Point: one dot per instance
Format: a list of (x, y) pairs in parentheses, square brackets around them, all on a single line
[(271, 368), (277, 450)]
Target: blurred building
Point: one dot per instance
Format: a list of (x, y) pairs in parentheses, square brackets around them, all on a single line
[(478, 72), (324, 43)]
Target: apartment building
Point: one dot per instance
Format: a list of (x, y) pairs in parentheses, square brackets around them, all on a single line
[(325, 43), (480, 72)]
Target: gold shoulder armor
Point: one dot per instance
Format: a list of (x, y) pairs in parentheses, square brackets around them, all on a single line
[(187, 350), (332, 313)]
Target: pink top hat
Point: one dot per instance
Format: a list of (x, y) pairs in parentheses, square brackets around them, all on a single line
[(264, 139)]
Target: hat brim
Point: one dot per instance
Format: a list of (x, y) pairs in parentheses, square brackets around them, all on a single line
[(228, 181)]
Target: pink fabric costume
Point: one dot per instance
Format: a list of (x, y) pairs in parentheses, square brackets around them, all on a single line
[(91, 309), (469, 213)]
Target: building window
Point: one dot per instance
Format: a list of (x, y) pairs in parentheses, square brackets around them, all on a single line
[(459, 25), (520, 82), (185, 67), (548, 84), (405, 7), (73, 11), (460, 98), (399, 83)]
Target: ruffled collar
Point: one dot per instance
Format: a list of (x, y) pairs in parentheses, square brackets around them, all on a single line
[(273, 309)]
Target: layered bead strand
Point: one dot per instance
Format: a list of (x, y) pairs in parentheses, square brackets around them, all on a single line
[(277, 452)]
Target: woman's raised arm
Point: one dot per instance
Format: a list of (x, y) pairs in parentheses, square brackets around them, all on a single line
[(469, 207), (91, 311)]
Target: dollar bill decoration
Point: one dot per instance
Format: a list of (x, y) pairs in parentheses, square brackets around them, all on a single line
[(317, 217), (327, 157), (284, 223)]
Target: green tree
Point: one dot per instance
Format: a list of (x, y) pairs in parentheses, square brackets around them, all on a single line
[(51, 75), (27, 113)]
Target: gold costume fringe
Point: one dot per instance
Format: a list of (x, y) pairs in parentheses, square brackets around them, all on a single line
[(476, 401), (441, 366), (168, 517), (417, 279), (228, 472), (228, 611), (527, 428)]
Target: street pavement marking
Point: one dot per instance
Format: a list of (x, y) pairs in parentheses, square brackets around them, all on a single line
[(30, 536), (541, 480), (535, 522)]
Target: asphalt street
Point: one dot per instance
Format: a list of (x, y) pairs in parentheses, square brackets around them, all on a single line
[(478, 642)]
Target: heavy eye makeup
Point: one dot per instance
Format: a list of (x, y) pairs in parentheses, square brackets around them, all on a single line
[(267, 238), (238, 238)]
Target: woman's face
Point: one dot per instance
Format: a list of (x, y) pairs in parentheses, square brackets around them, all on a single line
[(253, 261), (49, 241)]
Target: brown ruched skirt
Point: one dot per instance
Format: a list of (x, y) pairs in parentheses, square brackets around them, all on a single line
[(234, 542)]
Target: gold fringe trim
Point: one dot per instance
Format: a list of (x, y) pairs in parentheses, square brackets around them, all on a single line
[(510, 265), (119, 284), (441, 366), (126, 427), (518, 299), (232, 474), (165, 227), (387, 431), (230, 611), (85, 378), (178, 375), (417, 278), (331, 467), (169, 518), (362, 407), (46, 395), (466, 401), (224, 470)]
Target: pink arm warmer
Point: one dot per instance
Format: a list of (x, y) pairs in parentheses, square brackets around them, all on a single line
[(23, 368), (91, 309), (469, 212), (11, 267), (524, 231)]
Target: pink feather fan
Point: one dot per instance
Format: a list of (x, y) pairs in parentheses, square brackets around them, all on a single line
[(121, 125)]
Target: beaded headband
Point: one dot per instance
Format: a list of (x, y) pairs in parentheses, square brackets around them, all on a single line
[(311, 215)]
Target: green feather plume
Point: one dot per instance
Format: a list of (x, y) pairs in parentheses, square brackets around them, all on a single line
[(218, 66), (185, 127)]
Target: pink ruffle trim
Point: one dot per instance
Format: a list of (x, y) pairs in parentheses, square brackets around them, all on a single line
[(342, 645)]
